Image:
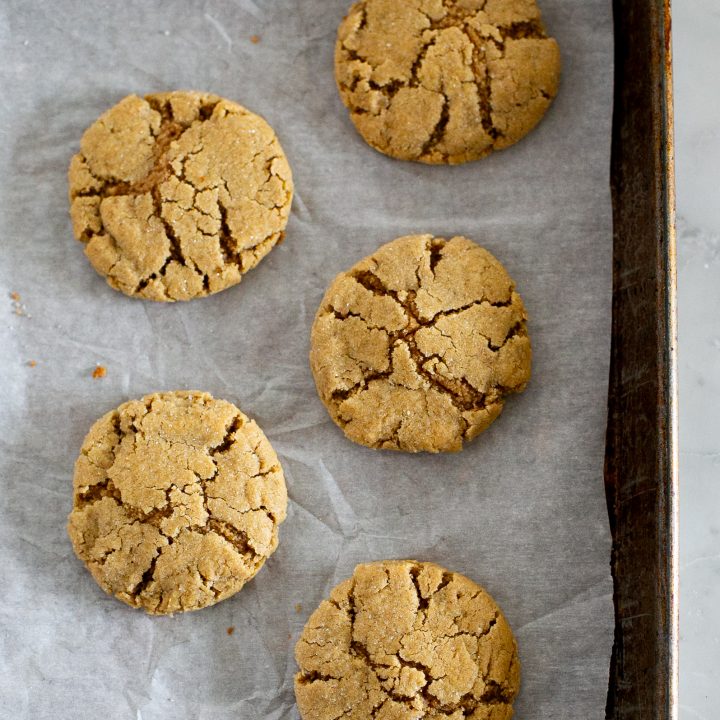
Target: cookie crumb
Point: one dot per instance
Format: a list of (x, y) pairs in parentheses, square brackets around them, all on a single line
[(230, 630), (99, 372), (254, 39), (18, 307), (32, 363), (298, 608)]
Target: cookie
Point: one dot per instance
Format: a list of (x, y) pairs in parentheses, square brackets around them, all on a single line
[(178, 195), (405, 640), (178, 498), (445, 81), (417, 346)]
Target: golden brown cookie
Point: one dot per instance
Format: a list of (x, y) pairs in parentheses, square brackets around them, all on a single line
[(405, 640), (178, 195), (178, 498), (445, 81), (416, 347)]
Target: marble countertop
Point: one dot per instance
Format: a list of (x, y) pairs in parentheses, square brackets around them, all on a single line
[(696, 28)]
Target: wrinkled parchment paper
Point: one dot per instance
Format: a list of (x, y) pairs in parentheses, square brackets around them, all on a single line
[(521, 511)]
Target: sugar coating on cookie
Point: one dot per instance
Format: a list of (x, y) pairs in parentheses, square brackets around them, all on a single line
[(445, 81), (416, 347), (407, 640), (177, 501), (178, 195)]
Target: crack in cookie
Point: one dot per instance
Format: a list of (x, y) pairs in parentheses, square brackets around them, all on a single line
[(178, 499), (416, 347), (406, 639), (445, 81), (178, 195)]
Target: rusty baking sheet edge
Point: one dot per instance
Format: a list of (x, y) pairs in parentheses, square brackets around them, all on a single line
[(641, 455)]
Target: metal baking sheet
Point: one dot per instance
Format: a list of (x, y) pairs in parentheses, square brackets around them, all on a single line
[(641, 461), (522, 510)]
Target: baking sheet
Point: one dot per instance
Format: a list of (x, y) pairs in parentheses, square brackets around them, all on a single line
[(521, 510)]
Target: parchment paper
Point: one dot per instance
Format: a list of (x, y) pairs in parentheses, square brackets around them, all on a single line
[(521, 510)]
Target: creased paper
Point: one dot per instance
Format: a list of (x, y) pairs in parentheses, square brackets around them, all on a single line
[(521, 510)]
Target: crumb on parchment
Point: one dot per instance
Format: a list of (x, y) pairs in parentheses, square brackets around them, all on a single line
[(99, 372), (254, 39), (298, 608), (32, 363), (231, 630)]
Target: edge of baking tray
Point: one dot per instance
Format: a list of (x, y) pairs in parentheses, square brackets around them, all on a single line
[(641, 454), (672, 391)]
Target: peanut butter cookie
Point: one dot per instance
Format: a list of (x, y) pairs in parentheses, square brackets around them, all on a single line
[(178, 195), (416, 347), (445, 81), (405, 640), (178, 498)]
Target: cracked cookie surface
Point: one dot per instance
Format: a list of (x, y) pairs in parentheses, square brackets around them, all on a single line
[(405, 640), (178, 195), (445, 81), (416, 347), (177, 501)]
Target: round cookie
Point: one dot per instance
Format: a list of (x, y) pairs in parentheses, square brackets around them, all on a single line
[(177, 501), (416, 347), (445, 81), (405, 640), (178, 195)]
